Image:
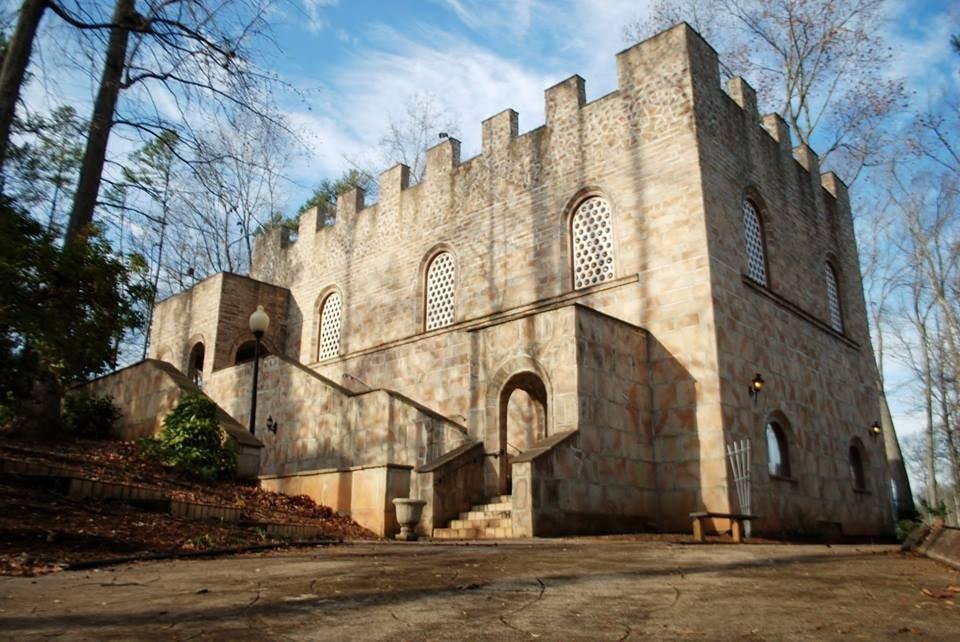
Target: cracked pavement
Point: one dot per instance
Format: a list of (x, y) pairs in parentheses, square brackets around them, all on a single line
[(564, 589)]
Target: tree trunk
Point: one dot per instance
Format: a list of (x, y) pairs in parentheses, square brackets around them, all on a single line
[(932, 491), (898, 471), (91, 169), (15, 63)]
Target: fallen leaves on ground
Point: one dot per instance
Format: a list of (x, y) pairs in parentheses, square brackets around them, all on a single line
[(41, 530)]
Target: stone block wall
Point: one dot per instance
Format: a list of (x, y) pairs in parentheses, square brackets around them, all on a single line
[(321, 425), (820, 383), (216, 312), (601, 475), (365, 493), (450, 485)]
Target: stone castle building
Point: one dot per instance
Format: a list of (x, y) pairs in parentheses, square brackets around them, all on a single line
[(568, 322)]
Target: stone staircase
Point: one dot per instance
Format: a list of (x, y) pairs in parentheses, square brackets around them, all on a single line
[(483, 521)]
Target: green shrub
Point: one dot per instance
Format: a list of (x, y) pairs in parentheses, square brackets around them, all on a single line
[(192, 440), (904, 527), (89, 417)]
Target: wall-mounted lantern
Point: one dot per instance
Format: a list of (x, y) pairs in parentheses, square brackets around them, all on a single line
[(756, 386)]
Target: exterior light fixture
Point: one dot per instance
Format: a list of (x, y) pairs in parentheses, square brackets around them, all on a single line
[(875, 429), (272, 425), (259, 322), (756, 386)]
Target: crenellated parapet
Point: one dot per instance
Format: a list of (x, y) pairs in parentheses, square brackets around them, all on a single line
[(661, 83)]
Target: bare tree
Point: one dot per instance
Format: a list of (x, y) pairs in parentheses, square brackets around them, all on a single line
[(16, 59), (928, 242), (415, 130), (820, 64)]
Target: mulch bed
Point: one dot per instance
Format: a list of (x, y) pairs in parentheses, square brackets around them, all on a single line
[(41, 531)]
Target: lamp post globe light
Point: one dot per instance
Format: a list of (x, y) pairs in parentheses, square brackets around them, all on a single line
[(259, 322)]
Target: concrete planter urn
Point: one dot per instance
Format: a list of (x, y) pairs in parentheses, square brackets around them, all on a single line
[(408, 515)]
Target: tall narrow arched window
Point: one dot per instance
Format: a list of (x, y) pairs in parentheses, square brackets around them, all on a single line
[(778, 451), (330, 323), (756, 251), (195, 365), (441, 285), (833, 297), (856, 457), (591, 228)]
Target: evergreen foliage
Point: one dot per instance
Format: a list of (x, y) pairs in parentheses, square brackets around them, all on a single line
[(62, 310), (89, 417), (193, 441)]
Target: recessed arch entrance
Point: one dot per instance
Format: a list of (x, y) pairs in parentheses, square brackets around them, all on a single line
[(195, 364), (522, 420)]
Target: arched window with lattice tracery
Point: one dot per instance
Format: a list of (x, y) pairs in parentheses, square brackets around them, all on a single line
[(440, 291), (833, 297), (756, 250), (331, 315), (591, 228)]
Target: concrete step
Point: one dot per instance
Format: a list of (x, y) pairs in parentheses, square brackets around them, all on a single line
[(482, 514), (472, 533), (494, 522), (494, 507)]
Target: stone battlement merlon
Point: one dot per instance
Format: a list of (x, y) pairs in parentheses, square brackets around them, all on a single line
[(564, 100), (745, 96)]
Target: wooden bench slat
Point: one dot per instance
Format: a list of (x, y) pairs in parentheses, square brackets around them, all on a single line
[(703, 514), (736, 525)]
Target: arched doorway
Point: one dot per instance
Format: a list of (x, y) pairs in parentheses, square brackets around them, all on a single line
[(247, 351), (195, 365), (522, 421)]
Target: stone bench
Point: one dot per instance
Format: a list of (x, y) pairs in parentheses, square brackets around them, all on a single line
[(736, 523)]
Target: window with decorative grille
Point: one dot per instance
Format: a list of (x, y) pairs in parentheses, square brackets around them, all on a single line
[(592, 232), (778, 459), (441, 280), (833, 298), (330, 321), (756, 253)]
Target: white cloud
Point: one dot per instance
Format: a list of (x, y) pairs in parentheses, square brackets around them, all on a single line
[(470, 82), (511, 16), (922, 54), (316, 22)]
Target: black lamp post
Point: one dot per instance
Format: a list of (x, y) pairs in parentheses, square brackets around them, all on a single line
[(259, 322)]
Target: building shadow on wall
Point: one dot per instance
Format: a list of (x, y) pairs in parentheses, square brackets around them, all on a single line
[(293, 329), (674, 437)]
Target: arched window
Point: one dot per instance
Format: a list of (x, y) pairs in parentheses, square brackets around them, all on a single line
[(591, 228), (248, 350), (756, 252), (195, 365), (857, 474), (833, 297), (330, 321), (441, 283), (778, 451)]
